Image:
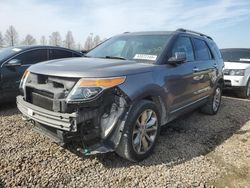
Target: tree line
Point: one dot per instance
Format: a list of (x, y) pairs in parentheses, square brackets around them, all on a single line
[(11, 38)]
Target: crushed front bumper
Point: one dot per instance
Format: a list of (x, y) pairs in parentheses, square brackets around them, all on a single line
[(62, 121)]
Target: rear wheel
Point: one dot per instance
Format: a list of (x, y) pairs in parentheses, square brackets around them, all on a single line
[(245, 92), (213, 104), (140, 132)]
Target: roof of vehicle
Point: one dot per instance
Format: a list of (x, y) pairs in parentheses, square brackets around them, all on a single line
[(26, 47), (181, 30), (149, 33), (20, 49)]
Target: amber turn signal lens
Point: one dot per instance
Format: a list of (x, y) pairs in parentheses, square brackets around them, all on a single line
[(25, 73), (102, 82)]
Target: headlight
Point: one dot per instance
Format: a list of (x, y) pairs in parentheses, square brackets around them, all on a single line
[(23, 80), (234, 72), (90, 88)]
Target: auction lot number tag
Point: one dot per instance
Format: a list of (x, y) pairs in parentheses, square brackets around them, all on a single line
[(145, 57)]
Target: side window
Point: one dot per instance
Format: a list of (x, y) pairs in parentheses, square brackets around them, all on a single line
[(183, 44), (201, 50), (57, 54), (32, 57)]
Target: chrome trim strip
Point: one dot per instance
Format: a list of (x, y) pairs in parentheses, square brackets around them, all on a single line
[(187, 105)]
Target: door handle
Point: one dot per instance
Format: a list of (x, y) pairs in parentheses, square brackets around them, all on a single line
[(196, 69)]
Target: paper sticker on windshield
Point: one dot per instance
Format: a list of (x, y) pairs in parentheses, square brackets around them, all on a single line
[(16, 49), (244, 59), (145, 57)]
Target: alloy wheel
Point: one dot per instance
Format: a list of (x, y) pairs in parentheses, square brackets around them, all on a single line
[(145, 131), (217, 98)]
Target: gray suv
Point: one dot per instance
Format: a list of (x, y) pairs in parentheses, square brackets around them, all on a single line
[(118, 96)]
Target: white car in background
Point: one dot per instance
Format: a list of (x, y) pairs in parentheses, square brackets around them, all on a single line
[(237, 70)]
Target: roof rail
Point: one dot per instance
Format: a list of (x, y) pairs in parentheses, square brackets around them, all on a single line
[(194, 32)]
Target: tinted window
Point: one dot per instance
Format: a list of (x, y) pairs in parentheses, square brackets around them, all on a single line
[(236, 55), (201, 50), (215, 49), (57, 54), (32, 57), (183, 44)]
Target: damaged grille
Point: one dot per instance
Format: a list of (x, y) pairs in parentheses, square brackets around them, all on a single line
[(48, 92)]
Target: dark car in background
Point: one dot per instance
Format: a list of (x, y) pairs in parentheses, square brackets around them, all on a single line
[(118, 96), (15, 60)]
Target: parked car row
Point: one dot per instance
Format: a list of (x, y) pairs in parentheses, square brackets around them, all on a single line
[(118, 95)]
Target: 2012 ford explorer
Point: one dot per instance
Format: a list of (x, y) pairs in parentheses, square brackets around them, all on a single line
[(119, 95)]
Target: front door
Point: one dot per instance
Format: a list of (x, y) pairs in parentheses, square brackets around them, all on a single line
[(179, 78)]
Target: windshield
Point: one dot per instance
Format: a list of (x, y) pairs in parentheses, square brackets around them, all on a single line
[(131, 47), (6, 52), (236, 55)]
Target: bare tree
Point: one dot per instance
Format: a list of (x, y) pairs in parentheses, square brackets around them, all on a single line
[(69, 40), (79, 47), (29, 40), (1, 40), (43, 40), (55, 39), (96, 41), (11, 36), (89, 42)]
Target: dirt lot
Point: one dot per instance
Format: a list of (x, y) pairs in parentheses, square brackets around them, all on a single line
[(195, 151)]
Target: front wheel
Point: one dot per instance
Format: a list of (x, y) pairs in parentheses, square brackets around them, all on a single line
[(214, 101), (140, 132)]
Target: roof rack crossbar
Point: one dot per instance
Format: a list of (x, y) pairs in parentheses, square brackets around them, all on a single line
[(194, 32)]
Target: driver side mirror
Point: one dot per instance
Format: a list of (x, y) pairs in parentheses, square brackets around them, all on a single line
[(13, 63), (179, 57)]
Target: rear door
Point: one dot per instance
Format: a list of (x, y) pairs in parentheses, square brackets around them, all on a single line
[(11, 76), (204, 71)]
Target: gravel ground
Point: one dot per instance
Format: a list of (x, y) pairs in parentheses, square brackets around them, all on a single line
[(195, 151)]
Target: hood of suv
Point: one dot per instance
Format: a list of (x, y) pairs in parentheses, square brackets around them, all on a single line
[(90, 67), (236, 65)]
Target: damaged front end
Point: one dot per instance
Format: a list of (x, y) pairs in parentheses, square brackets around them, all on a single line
[(96, 123)]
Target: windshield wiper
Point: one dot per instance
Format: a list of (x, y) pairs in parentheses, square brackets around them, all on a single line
[(86, 55), (114, 57)]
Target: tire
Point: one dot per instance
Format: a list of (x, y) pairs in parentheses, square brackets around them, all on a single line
[(214, 101), (245, 92), (133, 141)]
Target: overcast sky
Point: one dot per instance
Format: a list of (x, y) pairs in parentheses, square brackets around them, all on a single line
[(227, 21)]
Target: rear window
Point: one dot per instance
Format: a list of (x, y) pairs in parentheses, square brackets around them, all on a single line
[(236, 55), (201, 50)]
